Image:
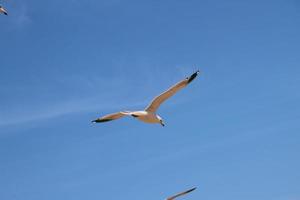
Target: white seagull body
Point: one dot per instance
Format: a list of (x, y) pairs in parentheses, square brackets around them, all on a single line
[(180, 194), (149, 114), (2, 10)]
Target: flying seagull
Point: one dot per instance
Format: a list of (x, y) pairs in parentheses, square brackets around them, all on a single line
[(2, 10), (180, 194), (149, 114)]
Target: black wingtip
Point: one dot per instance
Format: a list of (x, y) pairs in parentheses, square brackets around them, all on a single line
[(193, 76), (190, 190), (101, 120), (96, 121), (5, 13)]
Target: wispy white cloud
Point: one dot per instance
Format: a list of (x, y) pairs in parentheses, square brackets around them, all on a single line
[(58, 110), (121, 93)]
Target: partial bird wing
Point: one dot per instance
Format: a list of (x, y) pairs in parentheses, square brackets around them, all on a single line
[(3, 10), (110, 117), (153, 106), (180, 194)]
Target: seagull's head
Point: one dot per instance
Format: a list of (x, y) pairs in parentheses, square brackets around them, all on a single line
[(160, 120)]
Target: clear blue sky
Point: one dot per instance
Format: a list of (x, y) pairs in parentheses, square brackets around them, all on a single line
[(234, 132)]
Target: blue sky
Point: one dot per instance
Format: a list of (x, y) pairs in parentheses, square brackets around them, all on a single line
[(233, 133)]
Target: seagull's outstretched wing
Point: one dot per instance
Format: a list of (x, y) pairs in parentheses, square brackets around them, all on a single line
[(110, 117), (180, 194), (153, 106), (3, 10)]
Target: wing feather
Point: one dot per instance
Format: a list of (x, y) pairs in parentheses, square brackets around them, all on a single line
[(3, 10), (180, 194), (158, 100), (110, 117)]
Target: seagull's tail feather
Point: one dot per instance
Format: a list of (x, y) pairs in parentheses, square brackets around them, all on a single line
[(193, 76)]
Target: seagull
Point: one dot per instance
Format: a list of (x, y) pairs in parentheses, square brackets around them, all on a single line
[(180, 194), (2, 10), (149, 114)]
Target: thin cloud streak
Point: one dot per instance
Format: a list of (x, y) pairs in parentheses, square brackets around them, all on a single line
[(54, 111), (146, 93)]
